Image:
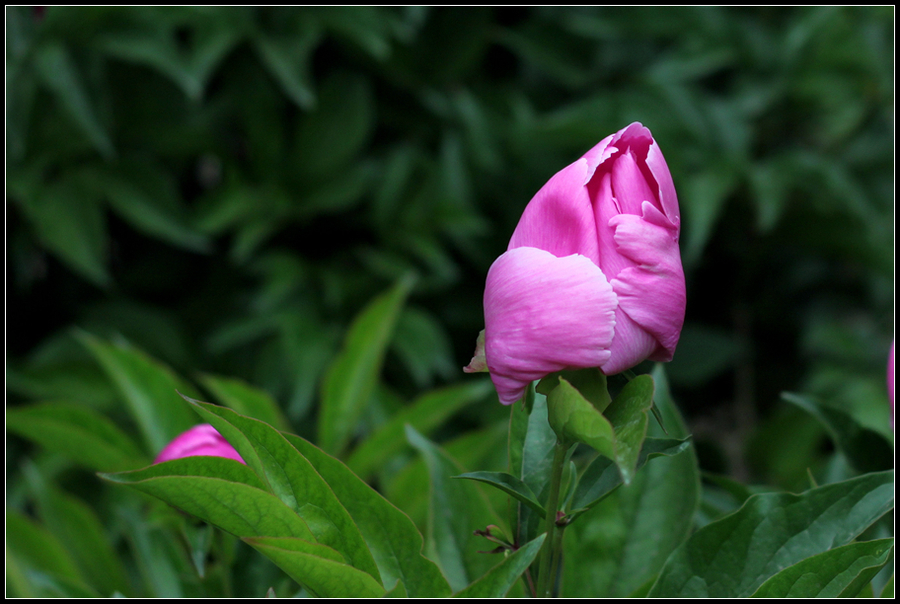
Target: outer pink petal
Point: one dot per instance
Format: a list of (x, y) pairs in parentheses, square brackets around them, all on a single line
[(652, 293), (559, 219), (667, 198), (199, 440), (544, 314)]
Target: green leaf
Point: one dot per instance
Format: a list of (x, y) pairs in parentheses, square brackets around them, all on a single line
[(590, 383), (351, 379), (318, 568), (343, 117), (287, 58), (575, 420), (197, 465), (510, 485), (628, 416), (888, 591), (155, 552), (80, 433), (424, 414), (456, 508), (423, 346), (733, 556), (188, 65), (841, 572), (531, 443), (146, 196), (602, 477), (618, 435), (498, 581), (708, 191), (866, 449), (622, 543), (294, 480), (240, 509), (246, 399), (79, 530), (70, 223), (149, 387), (35, 547), (392, 537), (59, 73)]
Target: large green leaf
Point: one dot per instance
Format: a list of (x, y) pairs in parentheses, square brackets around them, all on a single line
[(625, 539), (351, 379), (838, 573), (239, 508), (733, 556), (80, 433), (318, 568), (456, 509), (294, 480), (602, 476), (424, 414), (150, 389), (498, 581), (392, 537), (866, 449)]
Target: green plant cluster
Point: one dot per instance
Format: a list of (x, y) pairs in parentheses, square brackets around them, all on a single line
[(295, 208)]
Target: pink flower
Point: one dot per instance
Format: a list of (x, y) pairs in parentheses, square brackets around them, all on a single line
[(199, 440), (592, 276)]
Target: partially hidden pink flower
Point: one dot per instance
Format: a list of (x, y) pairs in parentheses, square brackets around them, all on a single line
[(592, 276), (199, 440)]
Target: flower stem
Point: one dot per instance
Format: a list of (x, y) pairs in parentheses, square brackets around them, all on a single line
[(551, 545)]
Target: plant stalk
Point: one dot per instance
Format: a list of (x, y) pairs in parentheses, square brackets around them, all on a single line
[(551, 545)]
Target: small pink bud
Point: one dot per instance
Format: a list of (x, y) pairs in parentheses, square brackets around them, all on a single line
[(199, 440)]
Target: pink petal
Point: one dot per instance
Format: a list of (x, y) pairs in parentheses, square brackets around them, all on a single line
[(631, 345), (629, 185), (667, 198), (611, 262), (559, 219), (544, 314), (652, 293), (199, 440)]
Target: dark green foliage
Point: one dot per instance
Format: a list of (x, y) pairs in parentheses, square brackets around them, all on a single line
[(223, 191)]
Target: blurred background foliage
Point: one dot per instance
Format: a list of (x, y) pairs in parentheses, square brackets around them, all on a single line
[(225, 189)]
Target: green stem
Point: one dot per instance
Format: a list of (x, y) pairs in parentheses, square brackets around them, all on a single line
[(545, 573), (557, 552)]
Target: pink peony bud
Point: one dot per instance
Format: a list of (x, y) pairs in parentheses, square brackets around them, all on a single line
[(592, 276), (199, 440)]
